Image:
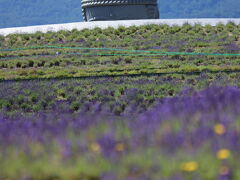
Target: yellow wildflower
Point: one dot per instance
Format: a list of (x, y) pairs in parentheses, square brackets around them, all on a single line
[(223, 154), (95, 147), (189, 166), (219, 129), (224, 170), (119, 147)]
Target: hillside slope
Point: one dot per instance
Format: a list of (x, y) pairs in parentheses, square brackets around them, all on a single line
[(134, 50), (137, 103)]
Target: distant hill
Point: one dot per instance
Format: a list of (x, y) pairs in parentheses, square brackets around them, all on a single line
[(35, 12), (200, 9)]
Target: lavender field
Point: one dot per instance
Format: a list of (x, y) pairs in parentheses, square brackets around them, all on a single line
[(174, 117), (195, 135)]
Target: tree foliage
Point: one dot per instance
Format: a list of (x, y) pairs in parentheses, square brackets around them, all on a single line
[(199, 9), (37, 12)]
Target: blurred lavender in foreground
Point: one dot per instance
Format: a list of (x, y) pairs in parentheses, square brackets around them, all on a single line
[(188, 130)]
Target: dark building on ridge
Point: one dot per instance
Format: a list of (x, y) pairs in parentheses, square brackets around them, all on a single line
[(103, 10)]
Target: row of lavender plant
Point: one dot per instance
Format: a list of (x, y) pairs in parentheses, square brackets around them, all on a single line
[(120, 95)]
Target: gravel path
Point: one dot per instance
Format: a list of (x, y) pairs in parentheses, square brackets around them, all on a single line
[(114, 24)]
